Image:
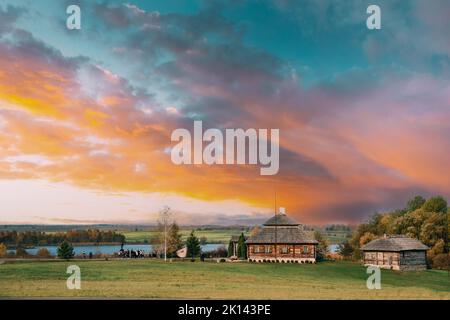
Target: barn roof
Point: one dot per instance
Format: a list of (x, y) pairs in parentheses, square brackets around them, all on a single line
[(394, 243), (280, 220), (283, 235), (281, 229), (235, 238)]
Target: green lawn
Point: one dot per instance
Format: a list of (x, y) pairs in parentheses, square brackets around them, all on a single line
[(156, 279)]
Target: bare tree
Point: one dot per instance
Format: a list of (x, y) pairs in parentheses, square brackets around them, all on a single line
[(164, 220)]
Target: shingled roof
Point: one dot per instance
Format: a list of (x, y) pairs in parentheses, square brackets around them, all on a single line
[(235, 238), (287, 231), (394, 243), (280, 220)]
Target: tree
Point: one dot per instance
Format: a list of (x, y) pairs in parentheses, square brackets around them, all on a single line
[(322, 247), (43, 253), (366, 238), (230, 248), (21, 252), (441, 261), (65, 251), (161, 238), (193, 245), (425, 220), (174, 242), (346, 250), (435, 204), (242, 247), (3, 250), (203, 240), (255, 231), (415, 203)]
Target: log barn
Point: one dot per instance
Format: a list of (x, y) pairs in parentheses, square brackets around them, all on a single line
[(396, 253), (281, 239)]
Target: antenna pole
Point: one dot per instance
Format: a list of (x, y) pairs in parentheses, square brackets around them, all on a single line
[(276, 225)]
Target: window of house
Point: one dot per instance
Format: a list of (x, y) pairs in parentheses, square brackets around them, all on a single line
[(305, 249), (284, 249), (268, 249)]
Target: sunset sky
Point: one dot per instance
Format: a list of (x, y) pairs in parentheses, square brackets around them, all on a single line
[(86, 115)]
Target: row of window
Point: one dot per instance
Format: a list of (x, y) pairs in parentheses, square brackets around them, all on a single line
[(281, 249)]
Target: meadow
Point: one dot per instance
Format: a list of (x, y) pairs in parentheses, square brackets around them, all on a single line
[(151, 278), (217, 235), (211, 235)]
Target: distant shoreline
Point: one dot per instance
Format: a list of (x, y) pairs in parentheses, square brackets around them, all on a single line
[(80, 244)]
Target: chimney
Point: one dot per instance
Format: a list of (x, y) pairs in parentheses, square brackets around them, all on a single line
[(282, 210)]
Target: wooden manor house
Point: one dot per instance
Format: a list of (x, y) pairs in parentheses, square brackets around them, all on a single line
[(281, 239), (395, 252)]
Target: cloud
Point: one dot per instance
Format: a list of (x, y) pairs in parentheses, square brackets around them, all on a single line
[(365, 139)]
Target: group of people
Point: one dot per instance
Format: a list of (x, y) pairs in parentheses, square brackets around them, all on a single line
[(131, 253)]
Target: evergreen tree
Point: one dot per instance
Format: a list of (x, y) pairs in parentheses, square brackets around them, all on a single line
[(65, 251), (193, 245), (242, 247), (230, 248)]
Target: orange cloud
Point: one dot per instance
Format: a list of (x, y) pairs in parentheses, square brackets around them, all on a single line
[(332, 160)]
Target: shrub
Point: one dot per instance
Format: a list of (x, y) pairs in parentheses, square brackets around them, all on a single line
[(43, 253), (217, 253), (21, 252), (3, 250), (441, 261)]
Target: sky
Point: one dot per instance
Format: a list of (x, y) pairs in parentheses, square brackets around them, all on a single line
[(86, 115)]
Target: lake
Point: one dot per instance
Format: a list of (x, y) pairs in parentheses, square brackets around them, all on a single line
[(111, 249)]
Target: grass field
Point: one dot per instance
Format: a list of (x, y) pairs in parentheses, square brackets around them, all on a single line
[(212, 236), (216, 235), (208, 280), (335, 237)]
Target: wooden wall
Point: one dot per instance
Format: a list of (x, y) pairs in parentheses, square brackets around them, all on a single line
[(405, 260), (413, 260), (283, 250)]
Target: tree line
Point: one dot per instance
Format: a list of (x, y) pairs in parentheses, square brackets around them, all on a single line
[(39, 238), (424, 219)]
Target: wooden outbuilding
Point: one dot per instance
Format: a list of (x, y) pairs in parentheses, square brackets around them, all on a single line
[(395, 252)]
